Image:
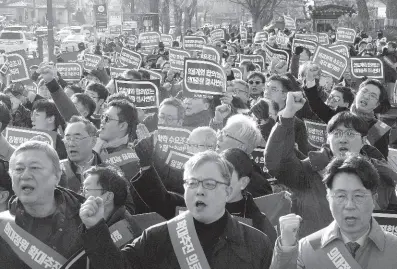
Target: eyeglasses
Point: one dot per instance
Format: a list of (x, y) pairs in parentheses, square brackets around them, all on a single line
[(273, 89), (222, 133), (166, 118), (84, 190), (251, 82), (372, 96), (69, 139), (200, 146), (342, 198), (349, 134), (106, 118), (208, 183)]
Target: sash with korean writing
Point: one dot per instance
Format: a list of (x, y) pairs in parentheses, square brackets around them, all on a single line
[(378, 130), (28, 248), (120, 235), (185, 242), (334, 255)]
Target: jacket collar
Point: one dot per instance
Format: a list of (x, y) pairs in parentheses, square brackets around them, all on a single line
[(376, 235), (320, 159), (117, 215), (97, 160), (234, 234)]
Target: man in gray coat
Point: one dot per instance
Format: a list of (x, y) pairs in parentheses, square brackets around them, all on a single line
[(354, 239)]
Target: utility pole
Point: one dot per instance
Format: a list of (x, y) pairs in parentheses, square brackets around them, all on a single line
[(50, 27)]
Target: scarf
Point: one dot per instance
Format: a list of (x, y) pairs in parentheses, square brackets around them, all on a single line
[(367, 116), (115, 143)]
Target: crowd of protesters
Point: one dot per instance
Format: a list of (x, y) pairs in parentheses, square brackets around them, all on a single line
[(67, 205)]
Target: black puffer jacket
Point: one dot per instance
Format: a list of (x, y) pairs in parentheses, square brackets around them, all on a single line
[(61, 231)]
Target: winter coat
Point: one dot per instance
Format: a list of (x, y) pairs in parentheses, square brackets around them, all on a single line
[(150, 188), (378, 252), (21, 118), (61, 231), (239, 246), (304, 179)]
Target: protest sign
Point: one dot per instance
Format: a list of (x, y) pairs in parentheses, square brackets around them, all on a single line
[(91, 61), (144, 94), (193, 43), (310, 45), (346, 35), (167, 40), (237, 73), (211, 54), (149, 39), (115, 29), (274, 206), (387, 220), (258, 156), (30, 85), (243, 33), (307, 37), (282, 40), (261, 37), (289, 23), (132, 40), (203, 79), (121, 157), (17, 135), (199, 33), (171, 138), (17, 67), (177, 58), (70, 71), (370, 67), (330, 62), (276, 53), (217, 35), (130, 58), (256, 59), (323, 39), (316, 133), (154, 74), (116, 72), (177, 159), (341, 49), (4, 67)]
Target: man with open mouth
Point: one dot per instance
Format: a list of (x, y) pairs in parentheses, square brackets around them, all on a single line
[(205, 236), (354, 239), (346, 133)]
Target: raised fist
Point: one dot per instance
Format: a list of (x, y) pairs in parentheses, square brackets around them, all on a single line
[(92, 211), (289, 227)]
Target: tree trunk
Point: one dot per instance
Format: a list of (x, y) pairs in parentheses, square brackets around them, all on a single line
[(177, 18), (166, 16), (363, 13), (256, 22), (391, 14)]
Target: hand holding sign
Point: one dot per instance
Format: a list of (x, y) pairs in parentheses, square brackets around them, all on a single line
[(92, 211), (289, 227)]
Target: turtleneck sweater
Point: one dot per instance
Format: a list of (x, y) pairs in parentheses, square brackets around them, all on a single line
[(209, 234)]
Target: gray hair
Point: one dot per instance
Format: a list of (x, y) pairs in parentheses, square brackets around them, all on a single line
[(246, 130), (207, 133), (38, 146), (209, 156), (88, 126)]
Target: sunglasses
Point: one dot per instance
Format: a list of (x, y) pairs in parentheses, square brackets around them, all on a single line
[(256, 82)]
